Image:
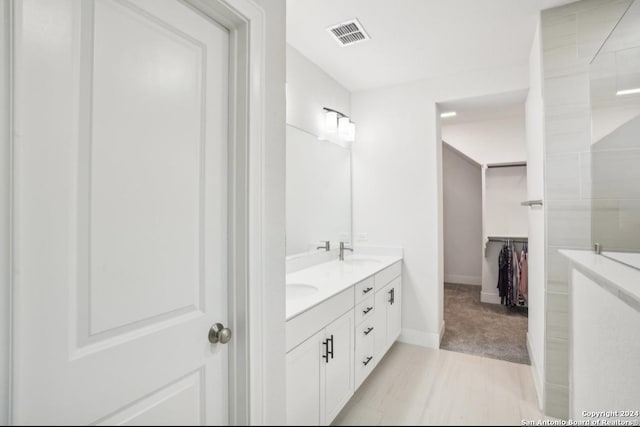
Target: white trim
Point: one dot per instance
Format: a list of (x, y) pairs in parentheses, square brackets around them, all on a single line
[(6, 238), (246, 23), (442, 331), (537, 376), (490, 297), (462, 279), (421, 338)]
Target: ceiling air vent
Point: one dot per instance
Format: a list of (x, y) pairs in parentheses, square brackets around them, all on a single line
[(348, 33)]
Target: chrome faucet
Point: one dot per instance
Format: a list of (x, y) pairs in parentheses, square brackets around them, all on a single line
[(342, 249), (326, 246)]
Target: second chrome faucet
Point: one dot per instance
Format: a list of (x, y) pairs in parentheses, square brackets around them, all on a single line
[(342, 249)]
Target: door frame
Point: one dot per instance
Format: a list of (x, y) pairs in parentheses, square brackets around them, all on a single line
[(245, 21), (6, 196)]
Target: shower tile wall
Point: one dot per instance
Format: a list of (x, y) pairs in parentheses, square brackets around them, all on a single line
[(571, 36)]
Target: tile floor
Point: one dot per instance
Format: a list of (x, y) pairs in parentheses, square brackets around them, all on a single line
[(419, 386)]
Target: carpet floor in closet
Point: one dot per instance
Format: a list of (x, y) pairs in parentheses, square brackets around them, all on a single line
[(488, 330)]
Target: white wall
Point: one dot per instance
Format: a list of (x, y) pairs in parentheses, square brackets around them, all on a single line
[(397, 186), (604, 349), (462, 218), (505, 190), (309, 89), (534, 111), (489, 141)]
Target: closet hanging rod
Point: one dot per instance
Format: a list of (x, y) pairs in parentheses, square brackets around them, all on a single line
[(507, 239), (506, 165)]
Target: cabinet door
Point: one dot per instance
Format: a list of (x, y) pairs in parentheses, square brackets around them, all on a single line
[(303, 382), (394, 310), (380, 317), (337, 367)]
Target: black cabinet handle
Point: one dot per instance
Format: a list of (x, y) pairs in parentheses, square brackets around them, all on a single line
[(367, 360), (366, 291), (392, 294), (331, 352), (368, 331), (325, 356), (368, 309)]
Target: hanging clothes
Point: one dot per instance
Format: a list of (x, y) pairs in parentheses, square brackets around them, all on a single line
[(512, 280), (516, 276), (505, 274), (524, 274)]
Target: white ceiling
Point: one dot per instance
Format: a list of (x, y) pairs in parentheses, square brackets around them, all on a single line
[(414, 39), (489, 107)]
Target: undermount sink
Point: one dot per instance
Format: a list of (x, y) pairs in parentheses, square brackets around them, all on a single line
[(300, 290), (358, 261)]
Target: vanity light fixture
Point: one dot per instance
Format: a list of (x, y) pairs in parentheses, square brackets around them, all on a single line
[(339, 125), (628, 91), (331, 121), (448, 114), (351, 134), (343, 126)]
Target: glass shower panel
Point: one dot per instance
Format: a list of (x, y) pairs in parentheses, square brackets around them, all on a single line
[(614, 163)]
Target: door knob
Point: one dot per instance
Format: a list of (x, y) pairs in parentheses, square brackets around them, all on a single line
[(218, 333)]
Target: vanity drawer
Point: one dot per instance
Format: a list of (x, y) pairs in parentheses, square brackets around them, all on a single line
[(387, 275), (364, 334), (365, 357), (365, 309), (364, 289), (311, 321)]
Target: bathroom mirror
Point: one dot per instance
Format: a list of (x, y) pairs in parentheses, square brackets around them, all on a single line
[(318, 198), (613, 168)]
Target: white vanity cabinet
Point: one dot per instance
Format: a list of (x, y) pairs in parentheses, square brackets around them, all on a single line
[(336, 368), (303, 382), (320, 369), (334, 345)]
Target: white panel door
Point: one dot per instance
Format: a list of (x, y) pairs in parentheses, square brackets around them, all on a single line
[(303, 382), (121, 200), (337, 367)]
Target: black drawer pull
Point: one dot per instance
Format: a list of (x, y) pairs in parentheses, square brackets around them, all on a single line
[(392, 295), (368, 309), (366, 291), (367, 360), (368, 331)]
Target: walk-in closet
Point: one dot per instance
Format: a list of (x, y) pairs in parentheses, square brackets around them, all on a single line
[(485, 235)]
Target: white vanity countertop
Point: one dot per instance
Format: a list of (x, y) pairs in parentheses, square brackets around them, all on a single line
[(621, 280), (332, 278)]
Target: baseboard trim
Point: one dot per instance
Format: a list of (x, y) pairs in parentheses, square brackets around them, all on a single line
[(442, 330), (421, 338), (537, 377), (462, 279), (490, 297)]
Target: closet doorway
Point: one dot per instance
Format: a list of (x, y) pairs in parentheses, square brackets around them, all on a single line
[(485, 227)]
